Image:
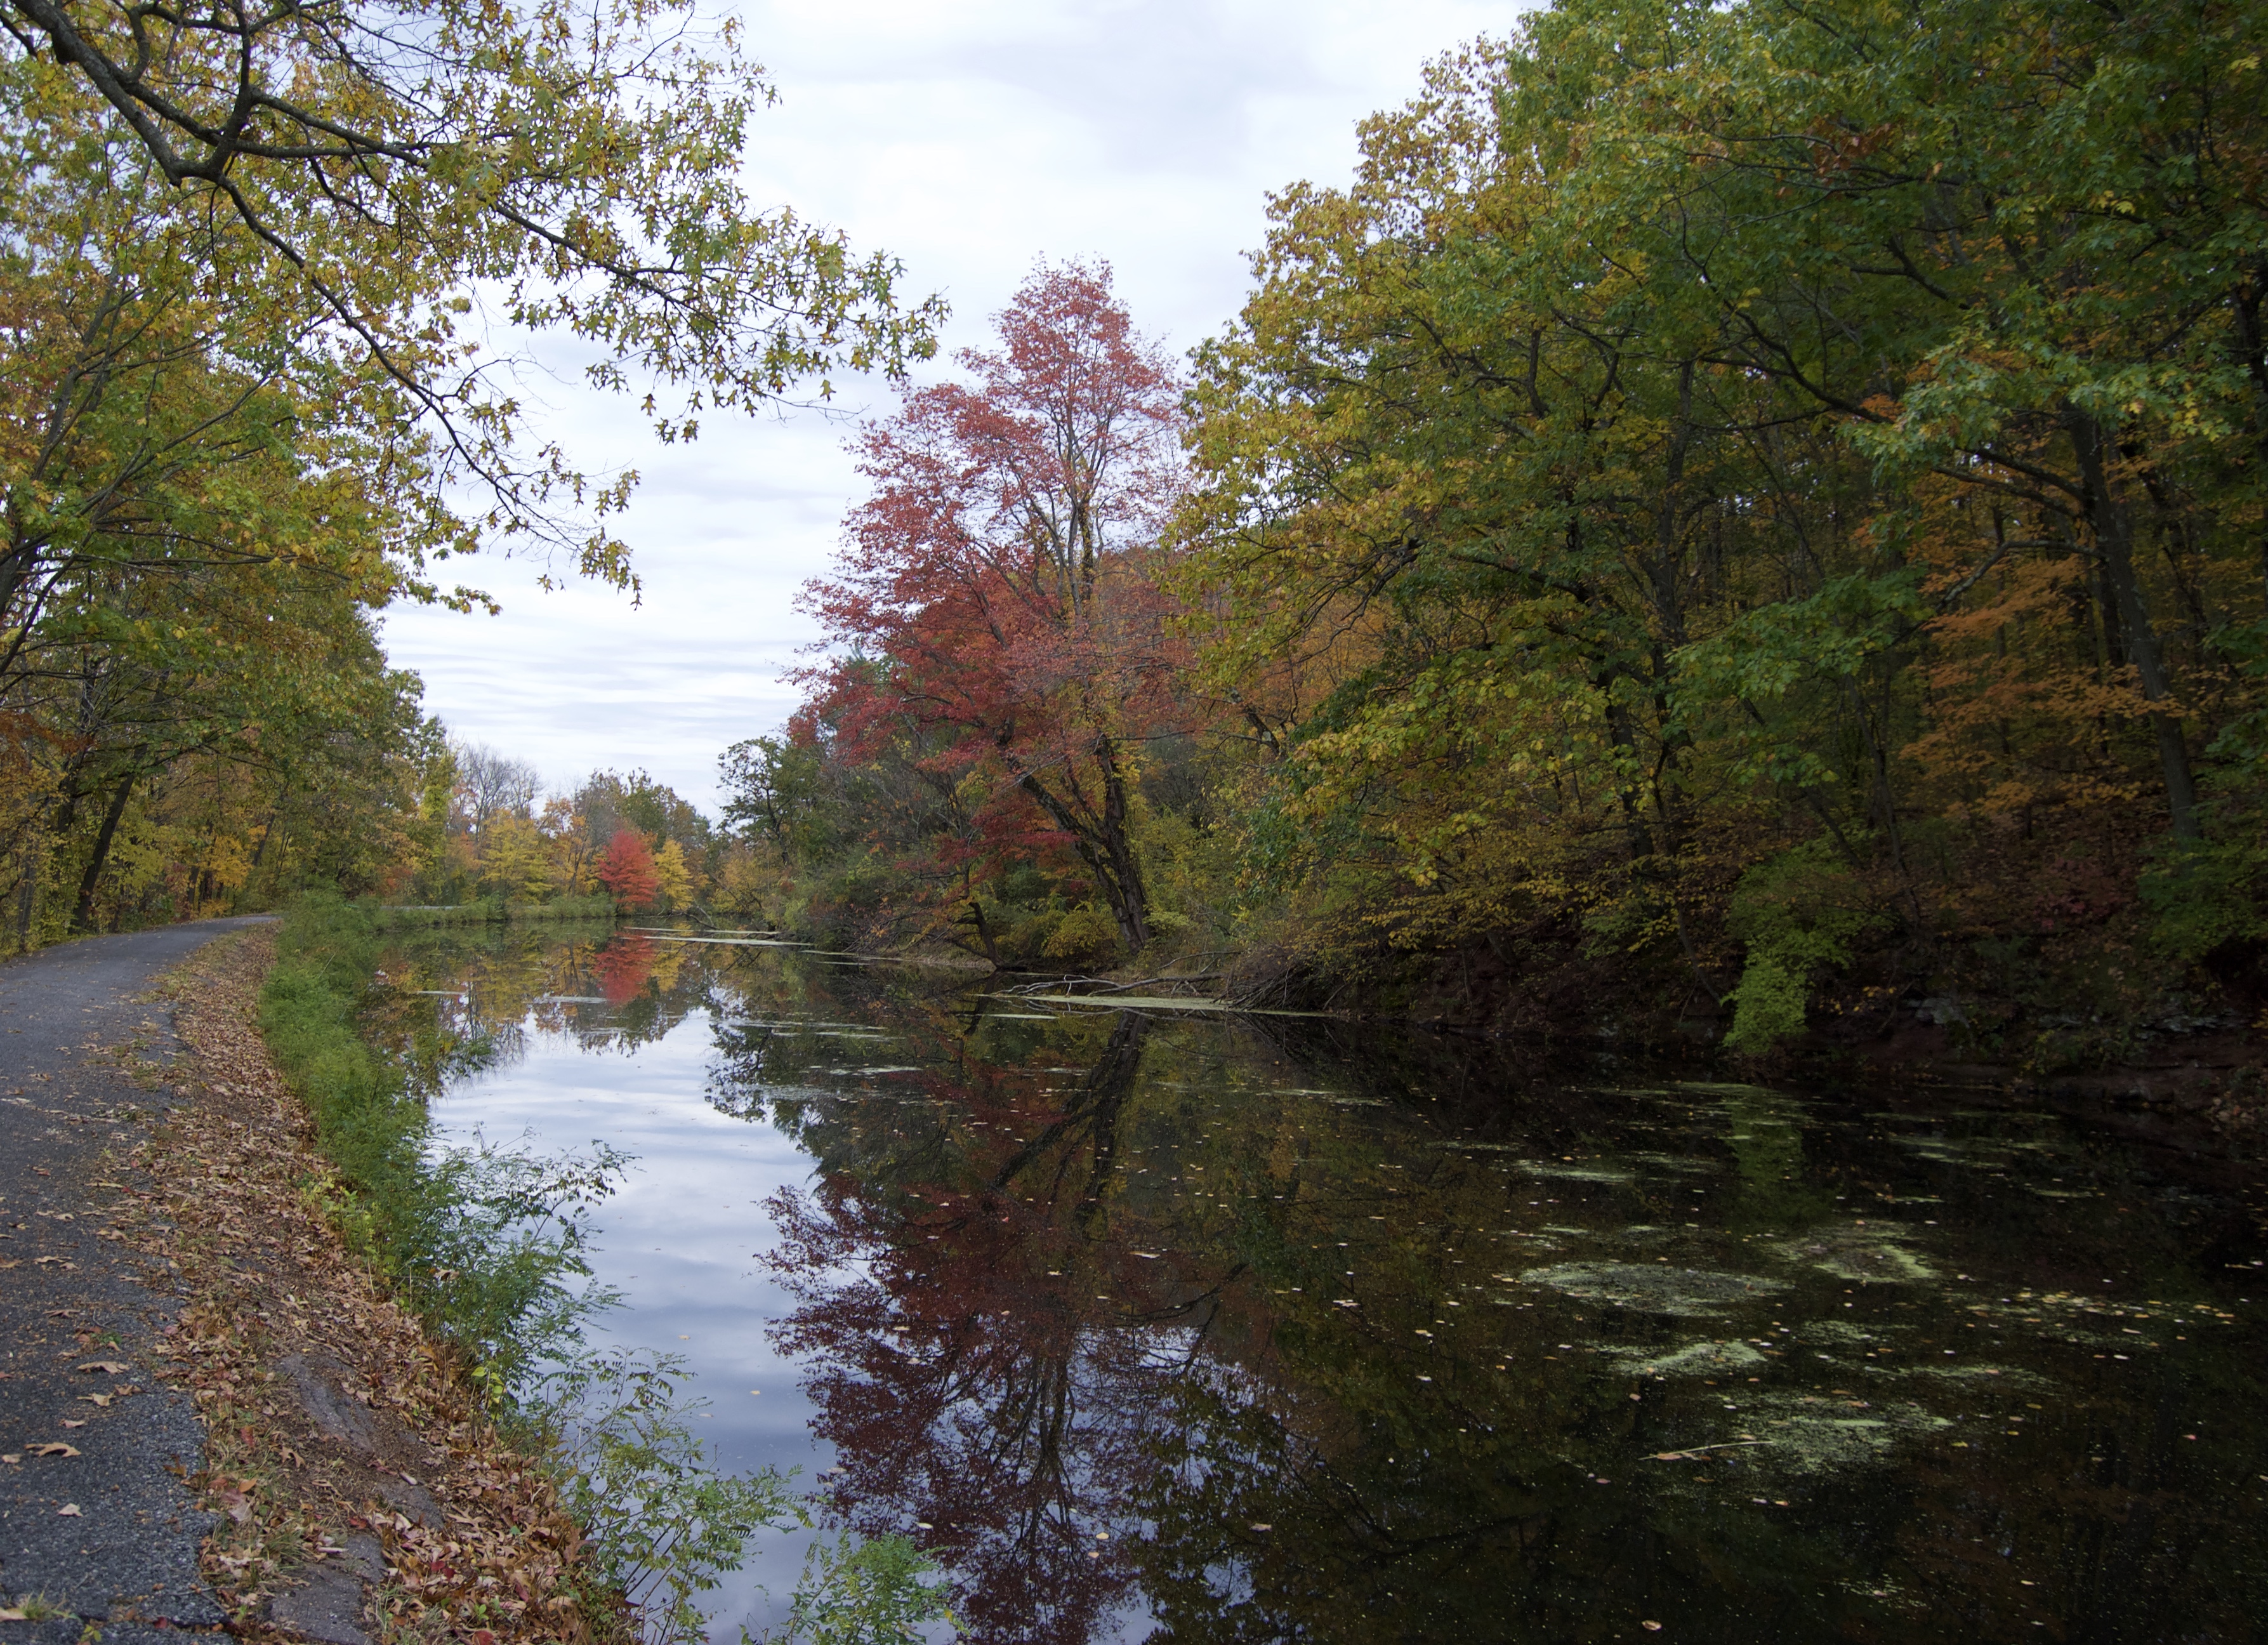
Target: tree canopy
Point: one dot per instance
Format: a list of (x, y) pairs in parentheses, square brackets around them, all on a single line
[(259, 277), (1734, 508), (400, 181)]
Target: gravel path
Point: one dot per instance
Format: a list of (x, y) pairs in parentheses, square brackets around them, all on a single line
[(105, 1531)]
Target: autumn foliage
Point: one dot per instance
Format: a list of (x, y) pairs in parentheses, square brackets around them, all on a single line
[(998, 600), (1736, 517), (627, 870)]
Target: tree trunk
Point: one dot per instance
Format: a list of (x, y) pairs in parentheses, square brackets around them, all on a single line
[(83, 918), (2114, 543), (1103, 845)]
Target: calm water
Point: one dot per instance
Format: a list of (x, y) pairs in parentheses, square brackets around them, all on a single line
[(1194, 1327)]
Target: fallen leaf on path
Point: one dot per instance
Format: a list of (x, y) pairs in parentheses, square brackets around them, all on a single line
[(109, 1368), (12, 1616), (97, 1399), (74, 1423), (54, 1448), (69, 1510)]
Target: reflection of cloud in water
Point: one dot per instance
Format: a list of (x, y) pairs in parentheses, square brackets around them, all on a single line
[(1068, 1301)]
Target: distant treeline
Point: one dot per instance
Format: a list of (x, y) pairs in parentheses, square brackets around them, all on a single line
[(1739, 513)]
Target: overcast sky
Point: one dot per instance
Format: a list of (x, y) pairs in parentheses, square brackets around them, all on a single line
[(969, 138)]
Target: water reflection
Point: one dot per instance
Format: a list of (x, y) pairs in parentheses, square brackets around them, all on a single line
[(1269, 1329)]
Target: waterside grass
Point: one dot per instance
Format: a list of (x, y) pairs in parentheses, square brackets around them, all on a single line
[(490, 911)]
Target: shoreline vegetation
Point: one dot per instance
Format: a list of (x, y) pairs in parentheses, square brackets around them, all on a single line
[(490, 911), (383, 1339)]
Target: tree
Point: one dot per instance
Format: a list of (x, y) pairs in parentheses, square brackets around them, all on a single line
[(574, 849), (673, 879), (494, 784), (198, 506), (374, 165), (1706, 437), (778, 793), (513, 860), (627, 870), (998, 594)]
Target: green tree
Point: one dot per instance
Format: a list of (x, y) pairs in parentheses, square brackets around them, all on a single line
[(1703, 432), (374, 164)]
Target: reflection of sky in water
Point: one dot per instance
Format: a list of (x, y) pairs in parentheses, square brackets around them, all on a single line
[(676, 1240)]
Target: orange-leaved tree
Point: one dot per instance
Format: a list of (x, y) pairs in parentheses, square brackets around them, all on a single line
[(627, 870)]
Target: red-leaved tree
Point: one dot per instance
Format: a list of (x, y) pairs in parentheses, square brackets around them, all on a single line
[(627, 870), (998, 591)]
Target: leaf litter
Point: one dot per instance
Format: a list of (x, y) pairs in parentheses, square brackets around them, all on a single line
[(238, 1216)]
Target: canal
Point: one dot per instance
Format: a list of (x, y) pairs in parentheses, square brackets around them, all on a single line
[(1169, 1322)]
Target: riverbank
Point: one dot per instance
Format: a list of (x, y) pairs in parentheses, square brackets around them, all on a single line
[(2175, 1053), (362, 1489)]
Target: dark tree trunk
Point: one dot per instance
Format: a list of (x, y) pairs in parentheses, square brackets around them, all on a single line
[(2114, 543), (1103, 845), (83, 918)]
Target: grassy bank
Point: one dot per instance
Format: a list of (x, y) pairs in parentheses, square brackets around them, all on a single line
[(490, 911), (485, 1245)]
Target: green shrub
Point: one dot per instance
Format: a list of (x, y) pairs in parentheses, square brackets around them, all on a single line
[(870, 1593), (2210, 894), (1797, 913)]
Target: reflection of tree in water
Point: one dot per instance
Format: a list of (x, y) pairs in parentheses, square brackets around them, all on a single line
[(992, 1360), (622, 968), (457, 1000), (993, 1354), (994, 1371)]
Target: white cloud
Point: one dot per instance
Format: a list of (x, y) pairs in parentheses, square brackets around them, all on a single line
[(970, 140)]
